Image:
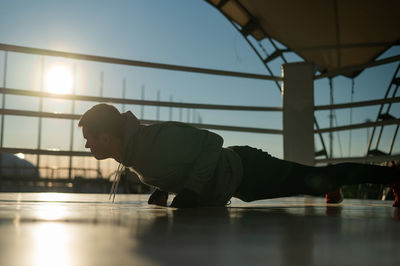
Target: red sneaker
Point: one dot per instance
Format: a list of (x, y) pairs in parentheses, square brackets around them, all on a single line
[(334, 196), (396, 192), (395, 186)]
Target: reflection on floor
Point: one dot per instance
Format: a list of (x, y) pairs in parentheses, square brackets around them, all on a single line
[(86, 229)]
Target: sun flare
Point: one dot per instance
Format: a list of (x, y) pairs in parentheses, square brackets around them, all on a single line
[(59, 80)]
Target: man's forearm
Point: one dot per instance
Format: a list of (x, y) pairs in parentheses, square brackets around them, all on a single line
[(185, 199)]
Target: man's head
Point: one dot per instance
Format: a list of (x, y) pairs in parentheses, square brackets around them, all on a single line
[(102, 129)]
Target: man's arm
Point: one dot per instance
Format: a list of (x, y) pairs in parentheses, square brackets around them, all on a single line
[(205, 163), (184, 145), (201, 173)]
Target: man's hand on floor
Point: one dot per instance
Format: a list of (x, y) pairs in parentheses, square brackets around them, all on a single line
[(158, 197), (185, 199)]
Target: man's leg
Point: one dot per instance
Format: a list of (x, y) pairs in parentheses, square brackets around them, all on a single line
[(268, 177), (320, 180)]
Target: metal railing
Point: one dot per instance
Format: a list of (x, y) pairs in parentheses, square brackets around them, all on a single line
[(73, 97), (15, 171), (4, 90), (138, 102)]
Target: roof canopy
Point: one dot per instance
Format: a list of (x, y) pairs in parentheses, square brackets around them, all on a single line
[(332, 34)]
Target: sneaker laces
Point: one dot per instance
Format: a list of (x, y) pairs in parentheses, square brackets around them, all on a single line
[(114, 187)]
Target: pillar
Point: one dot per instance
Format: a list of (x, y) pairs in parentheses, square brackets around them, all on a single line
[(298, 113)]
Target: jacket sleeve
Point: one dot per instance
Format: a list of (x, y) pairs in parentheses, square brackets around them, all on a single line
[(205, 163)]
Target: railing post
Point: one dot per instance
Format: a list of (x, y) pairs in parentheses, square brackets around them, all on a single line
[(3, 105), (101, 95), (3, 102), (123, 93), (142, 106), (158, 106), (39, 140), (171, 99), (180, 113), (71, 141)]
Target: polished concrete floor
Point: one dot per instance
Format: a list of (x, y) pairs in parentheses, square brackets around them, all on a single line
[(42, 229)]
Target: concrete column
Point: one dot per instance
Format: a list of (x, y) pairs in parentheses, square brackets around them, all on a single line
[(298, 113)]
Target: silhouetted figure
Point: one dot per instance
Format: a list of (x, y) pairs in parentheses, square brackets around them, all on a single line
[(176, 157)]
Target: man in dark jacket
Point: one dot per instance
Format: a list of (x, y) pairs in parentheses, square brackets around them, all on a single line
[(176, 157)]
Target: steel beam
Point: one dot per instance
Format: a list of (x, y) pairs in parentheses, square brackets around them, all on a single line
[(350, 69), (357, 126), (356, 104)]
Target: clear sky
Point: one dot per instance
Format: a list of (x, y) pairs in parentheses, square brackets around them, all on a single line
[(190, 33)]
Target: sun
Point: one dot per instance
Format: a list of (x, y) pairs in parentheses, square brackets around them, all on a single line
[(59, 80)]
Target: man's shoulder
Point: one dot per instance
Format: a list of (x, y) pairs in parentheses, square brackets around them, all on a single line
[(175, 123), (164, 128), (169, 124)]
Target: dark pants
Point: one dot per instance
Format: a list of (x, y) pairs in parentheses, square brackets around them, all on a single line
[(267, 177)]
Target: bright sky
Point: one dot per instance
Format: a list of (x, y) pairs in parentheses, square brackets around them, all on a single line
[(190, 33)]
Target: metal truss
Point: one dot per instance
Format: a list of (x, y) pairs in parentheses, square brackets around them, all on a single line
[(265, 57), (384, 115)]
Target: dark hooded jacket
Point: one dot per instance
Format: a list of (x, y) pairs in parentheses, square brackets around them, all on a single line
[(173, 156)]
